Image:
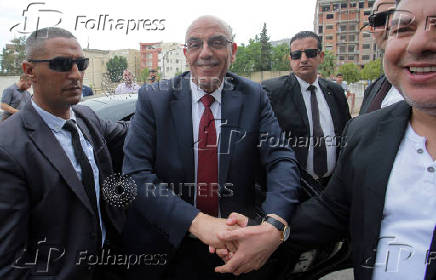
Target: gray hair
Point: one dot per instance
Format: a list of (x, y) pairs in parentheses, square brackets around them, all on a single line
[(35, 41), (225, 25)]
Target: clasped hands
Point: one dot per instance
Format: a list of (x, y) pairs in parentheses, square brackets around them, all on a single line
[(243, 248)]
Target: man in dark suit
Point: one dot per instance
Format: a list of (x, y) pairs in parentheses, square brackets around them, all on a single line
[(312, 111), (380, 93), (383, 191), (54, 157), (198, 135)]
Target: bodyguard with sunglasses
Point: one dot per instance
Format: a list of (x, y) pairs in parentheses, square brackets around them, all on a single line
[(380, 93), (54, 157), (311, 110)]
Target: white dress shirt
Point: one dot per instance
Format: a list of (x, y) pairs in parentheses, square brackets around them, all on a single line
[(125, 88), (392, 97), (327, 126), (409, 213), (197, 112)]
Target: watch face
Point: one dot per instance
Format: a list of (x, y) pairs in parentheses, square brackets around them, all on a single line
[(286, 233)]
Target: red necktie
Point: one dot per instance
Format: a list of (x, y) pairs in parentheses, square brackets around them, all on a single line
[(207, 170)]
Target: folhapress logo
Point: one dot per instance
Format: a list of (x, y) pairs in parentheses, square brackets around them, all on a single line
[(35, 17)]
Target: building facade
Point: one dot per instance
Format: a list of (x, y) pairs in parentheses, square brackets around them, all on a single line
[(338, 23), (165, 58)]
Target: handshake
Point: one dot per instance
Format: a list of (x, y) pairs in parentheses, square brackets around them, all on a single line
[(243, 248)]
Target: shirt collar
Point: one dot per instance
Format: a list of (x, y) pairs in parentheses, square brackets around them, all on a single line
[(304, 85), (53, 122), (414, 137), (198, 93)]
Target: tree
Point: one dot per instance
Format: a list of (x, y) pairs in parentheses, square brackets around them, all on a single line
[(247, 58), (327, 68), (12, 56), (372, 70), (265, 50), (144, 75), (280, 54), (351, 72), (115, 67)]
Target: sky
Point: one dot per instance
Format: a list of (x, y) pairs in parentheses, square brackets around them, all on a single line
[(134, 21)]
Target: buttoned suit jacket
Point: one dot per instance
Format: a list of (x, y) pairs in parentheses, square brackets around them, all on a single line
[(290, 109), (47, 218), (159, 148), (353, 202)]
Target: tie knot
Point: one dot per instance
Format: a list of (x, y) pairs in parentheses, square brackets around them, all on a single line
[(311, 88), (207, 100), (70, 126)]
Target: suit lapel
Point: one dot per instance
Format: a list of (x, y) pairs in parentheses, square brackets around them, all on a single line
[(231, 108), (295, 90), (46, 142), (181, 112), (390, 133)]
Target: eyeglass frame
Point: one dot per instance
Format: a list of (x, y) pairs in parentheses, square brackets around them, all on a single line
[(226, 42)]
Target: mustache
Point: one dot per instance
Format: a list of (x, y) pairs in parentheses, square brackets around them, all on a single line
[(206, 62)]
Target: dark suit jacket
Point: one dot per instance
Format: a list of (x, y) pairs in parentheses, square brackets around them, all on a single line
[(159, 149), (353, 202), (288, 105), (370, 92), (44, 208)]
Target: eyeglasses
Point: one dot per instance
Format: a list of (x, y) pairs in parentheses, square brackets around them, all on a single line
[(64, 64), (377, 21), (310, 53), (217, 43)]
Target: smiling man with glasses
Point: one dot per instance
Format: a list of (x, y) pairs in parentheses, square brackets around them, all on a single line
[(380, 93), (54, 158)]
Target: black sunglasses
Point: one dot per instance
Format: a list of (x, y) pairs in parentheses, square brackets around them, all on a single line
[(64, 64), (310, 53), (379, 19)]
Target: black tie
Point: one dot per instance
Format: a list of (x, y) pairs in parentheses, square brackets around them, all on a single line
[(87, 173), (319, 148)]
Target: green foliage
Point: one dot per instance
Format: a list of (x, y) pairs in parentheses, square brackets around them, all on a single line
[(13, 56), (115, 67), (328, 66), (265, 50), (351, 72), (280, 60), (144, 75), (372, 70), (247, 58)]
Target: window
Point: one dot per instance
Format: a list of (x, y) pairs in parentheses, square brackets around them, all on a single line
[(329, 38), (366, 35), (361, 5), (329, 27), (351, 38), (370, 4), (335, 7), (328, 48), (343, 5), (365, 57), (366, 46), (320, 38), (177, 61), (326, 8), (342, 49), (352, 27), (351, 57), (329, 16), (367, 13), (350, 48), (320, 29), (352, 5), (343, 28), (341, 57), (343, 38)]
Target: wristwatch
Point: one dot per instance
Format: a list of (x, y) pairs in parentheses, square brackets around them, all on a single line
[(280, 226)]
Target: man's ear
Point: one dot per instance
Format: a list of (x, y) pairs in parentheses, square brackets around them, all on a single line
[(27, 68), (234, 51)]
